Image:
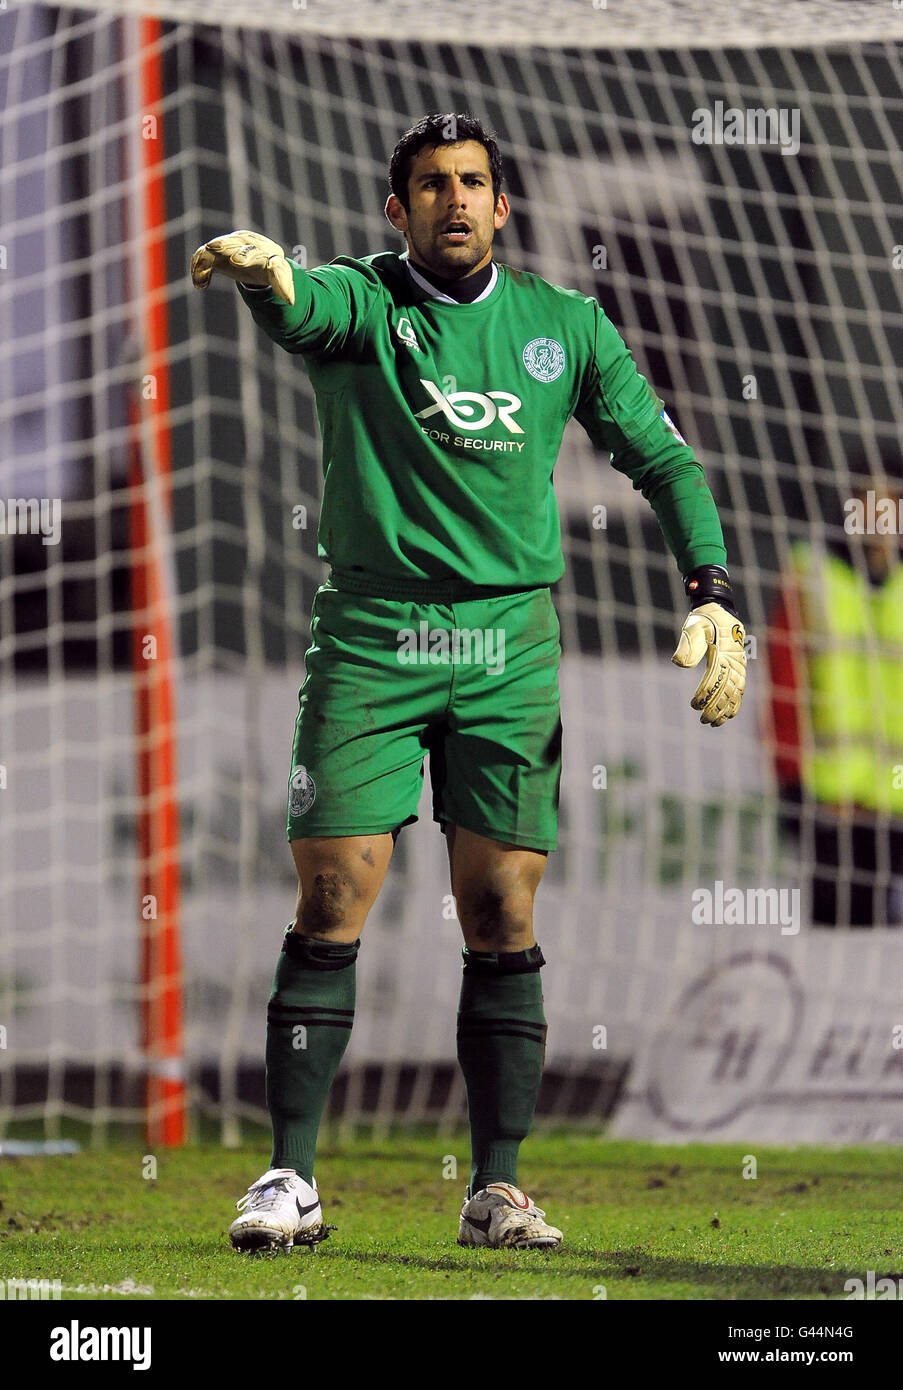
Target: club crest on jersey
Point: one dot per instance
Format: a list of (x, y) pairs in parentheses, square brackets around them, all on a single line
[(544, 359), (404, 331), (301, 792)]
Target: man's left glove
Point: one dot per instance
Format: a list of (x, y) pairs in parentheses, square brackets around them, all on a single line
[(714, 631)]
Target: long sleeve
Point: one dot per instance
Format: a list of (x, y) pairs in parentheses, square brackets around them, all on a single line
[(331, 305), (621, 413)]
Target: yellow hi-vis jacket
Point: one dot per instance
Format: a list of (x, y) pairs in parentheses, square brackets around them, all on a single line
[(852, 646)]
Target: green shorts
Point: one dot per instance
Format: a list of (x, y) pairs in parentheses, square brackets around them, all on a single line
[(473, 683)]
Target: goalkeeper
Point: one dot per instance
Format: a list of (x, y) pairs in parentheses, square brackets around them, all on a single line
[(443, 381)]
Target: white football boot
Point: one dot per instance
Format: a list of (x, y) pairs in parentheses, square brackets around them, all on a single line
[(278, 1211), (503, 1217)]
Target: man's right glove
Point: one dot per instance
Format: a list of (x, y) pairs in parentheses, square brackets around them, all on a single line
[(713, 630), (246, 256)]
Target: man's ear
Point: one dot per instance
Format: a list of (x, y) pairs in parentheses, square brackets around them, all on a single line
[(396, 214), (502, 209)]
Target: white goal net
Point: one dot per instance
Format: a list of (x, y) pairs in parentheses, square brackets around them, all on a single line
[(728, 181)]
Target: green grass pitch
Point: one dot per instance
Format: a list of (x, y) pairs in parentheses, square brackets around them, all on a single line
[(640, 1221)]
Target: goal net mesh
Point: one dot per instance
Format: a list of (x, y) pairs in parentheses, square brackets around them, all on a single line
[(731, 189)]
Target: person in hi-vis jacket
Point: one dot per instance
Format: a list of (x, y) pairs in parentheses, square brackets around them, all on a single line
[(835, 657)]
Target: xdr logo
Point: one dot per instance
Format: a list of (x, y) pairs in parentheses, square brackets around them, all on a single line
[(469, 402)]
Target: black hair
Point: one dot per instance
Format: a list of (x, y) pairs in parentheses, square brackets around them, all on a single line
[(440, 128)]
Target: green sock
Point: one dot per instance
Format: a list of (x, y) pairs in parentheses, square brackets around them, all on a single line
[(309, 1020), (501, 1048)]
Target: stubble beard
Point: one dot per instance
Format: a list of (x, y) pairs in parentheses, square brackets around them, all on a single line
[(450, 262)]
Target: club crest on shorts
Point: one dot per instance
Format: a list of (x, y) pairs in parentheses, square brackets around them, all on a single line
[(544, 359), (301, 792)]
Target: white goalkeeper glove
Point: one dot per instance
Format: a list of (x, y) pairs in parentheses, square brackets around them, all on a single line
[(717, 634), (246, 256)]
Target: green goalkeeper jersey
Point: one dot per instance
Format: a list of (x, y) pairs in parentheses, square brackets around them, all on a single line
[(442, 421)]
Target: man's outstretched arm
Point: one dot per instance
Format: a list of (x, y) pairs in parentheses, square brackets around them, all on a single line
[(311, 312)]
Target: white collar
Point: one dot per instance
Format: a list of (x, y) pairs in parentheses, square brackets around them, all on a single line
[(446, 298)]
